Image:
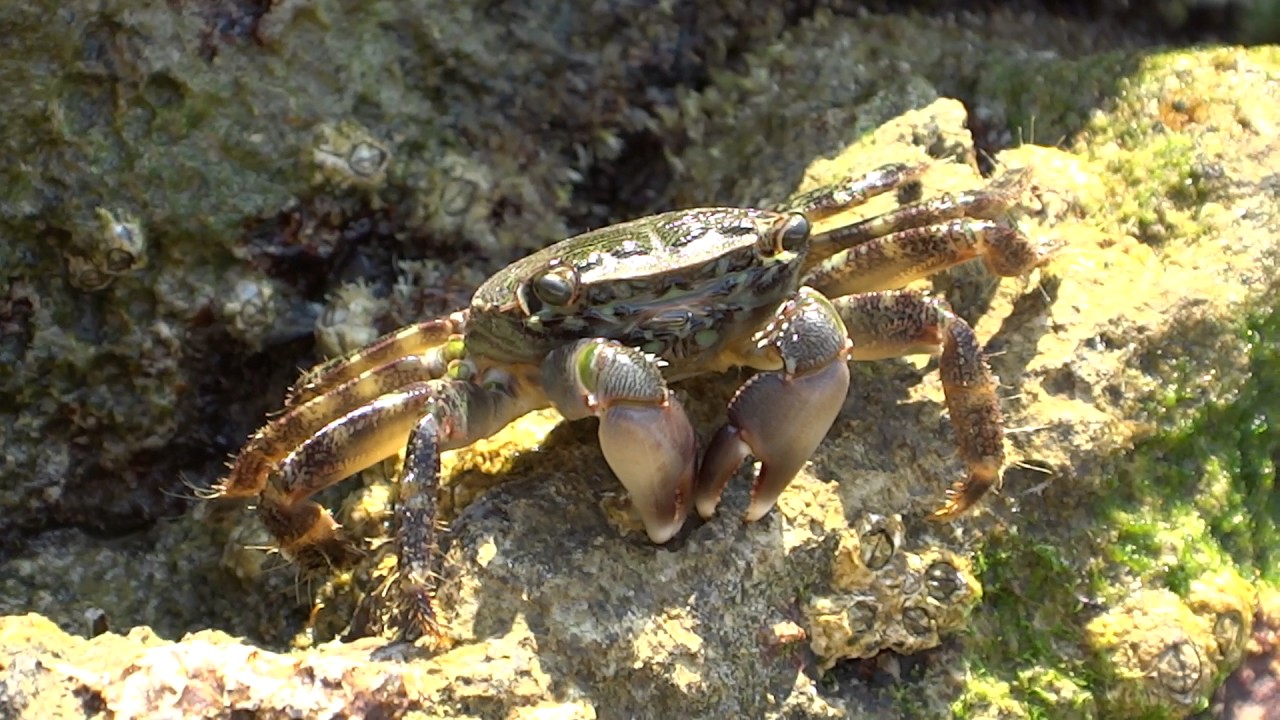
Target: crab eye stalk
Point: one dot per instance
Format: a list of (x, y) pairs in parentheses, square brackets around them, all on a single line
[(793, 233)]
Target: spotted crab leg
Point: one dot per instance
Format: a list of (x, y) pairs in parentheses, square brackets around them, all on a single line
[(864, 261), (831, 200), (644, 432), (922, 238), (413, 384), (904, 322), (780, 415), (416, 339), (337, 390), (417, 513), (433, 416)]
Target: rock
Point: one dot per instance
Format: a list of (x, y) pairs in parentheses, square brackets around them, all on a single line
[(1137, 364)]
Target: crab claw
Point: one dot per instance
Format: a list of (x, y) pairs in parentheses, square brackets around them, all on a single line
[(644, 431), (652, 449), (780, 420)]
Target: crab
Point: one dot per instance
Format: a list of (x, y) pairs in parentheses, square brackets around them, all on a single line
[(603, 323)]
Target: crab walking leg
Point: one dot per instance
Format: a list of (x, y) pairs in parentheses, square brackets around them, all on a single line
[(894, 260), (464, 412), (989, 203), (904, 322), (270, 444), (780, 416), (411, 340), (417, 511), (970, 391), (830, 200), (644, 431)]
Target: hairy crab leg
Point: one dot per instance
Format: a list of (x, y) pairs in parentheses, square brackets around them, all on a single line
[(917, 240), (463, 412), (417, 513), (893, 260), (410, 340), (781, 415), (271, 443), (891, 324), (913, 241), (991, 202), (831, 200), (644, 432)]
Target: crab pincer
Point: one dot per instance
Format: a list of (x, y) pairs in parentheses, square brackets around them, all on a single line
[(644, 431), (781, 416)]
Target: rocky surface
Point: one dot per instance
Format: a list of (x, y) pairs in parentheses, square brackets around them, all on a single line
[(200, 190)]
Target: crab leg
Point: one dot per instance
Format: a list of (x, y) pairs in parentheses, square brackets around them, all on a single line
[(895, 259), (911, 242), (781, 415), (644, 432), (891, 324), (988, 203), (270, 444), (463, 412), (417, 512), (922, 238), (411, 340), (830, 200)]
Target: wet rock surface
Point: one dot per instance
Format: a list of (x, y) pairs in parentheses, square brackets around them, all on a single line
[(184, 229)]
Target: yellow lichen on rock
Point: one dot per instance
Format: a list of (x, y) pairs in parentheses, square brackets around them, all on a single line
[(671, 645), (492, 458), (554, 711)]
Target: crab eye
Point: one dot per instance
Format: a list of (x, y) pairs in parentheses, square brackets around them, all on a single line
[(794, 232), (557, 286)]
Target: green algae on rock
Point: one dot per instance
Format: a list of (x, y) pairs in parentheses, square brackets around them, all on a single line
[(1193, 499)]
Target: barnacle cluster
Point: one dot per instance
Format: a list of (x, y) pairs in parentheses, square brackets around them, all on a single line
[(1166, 652), (885, 596), (348, 320)]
